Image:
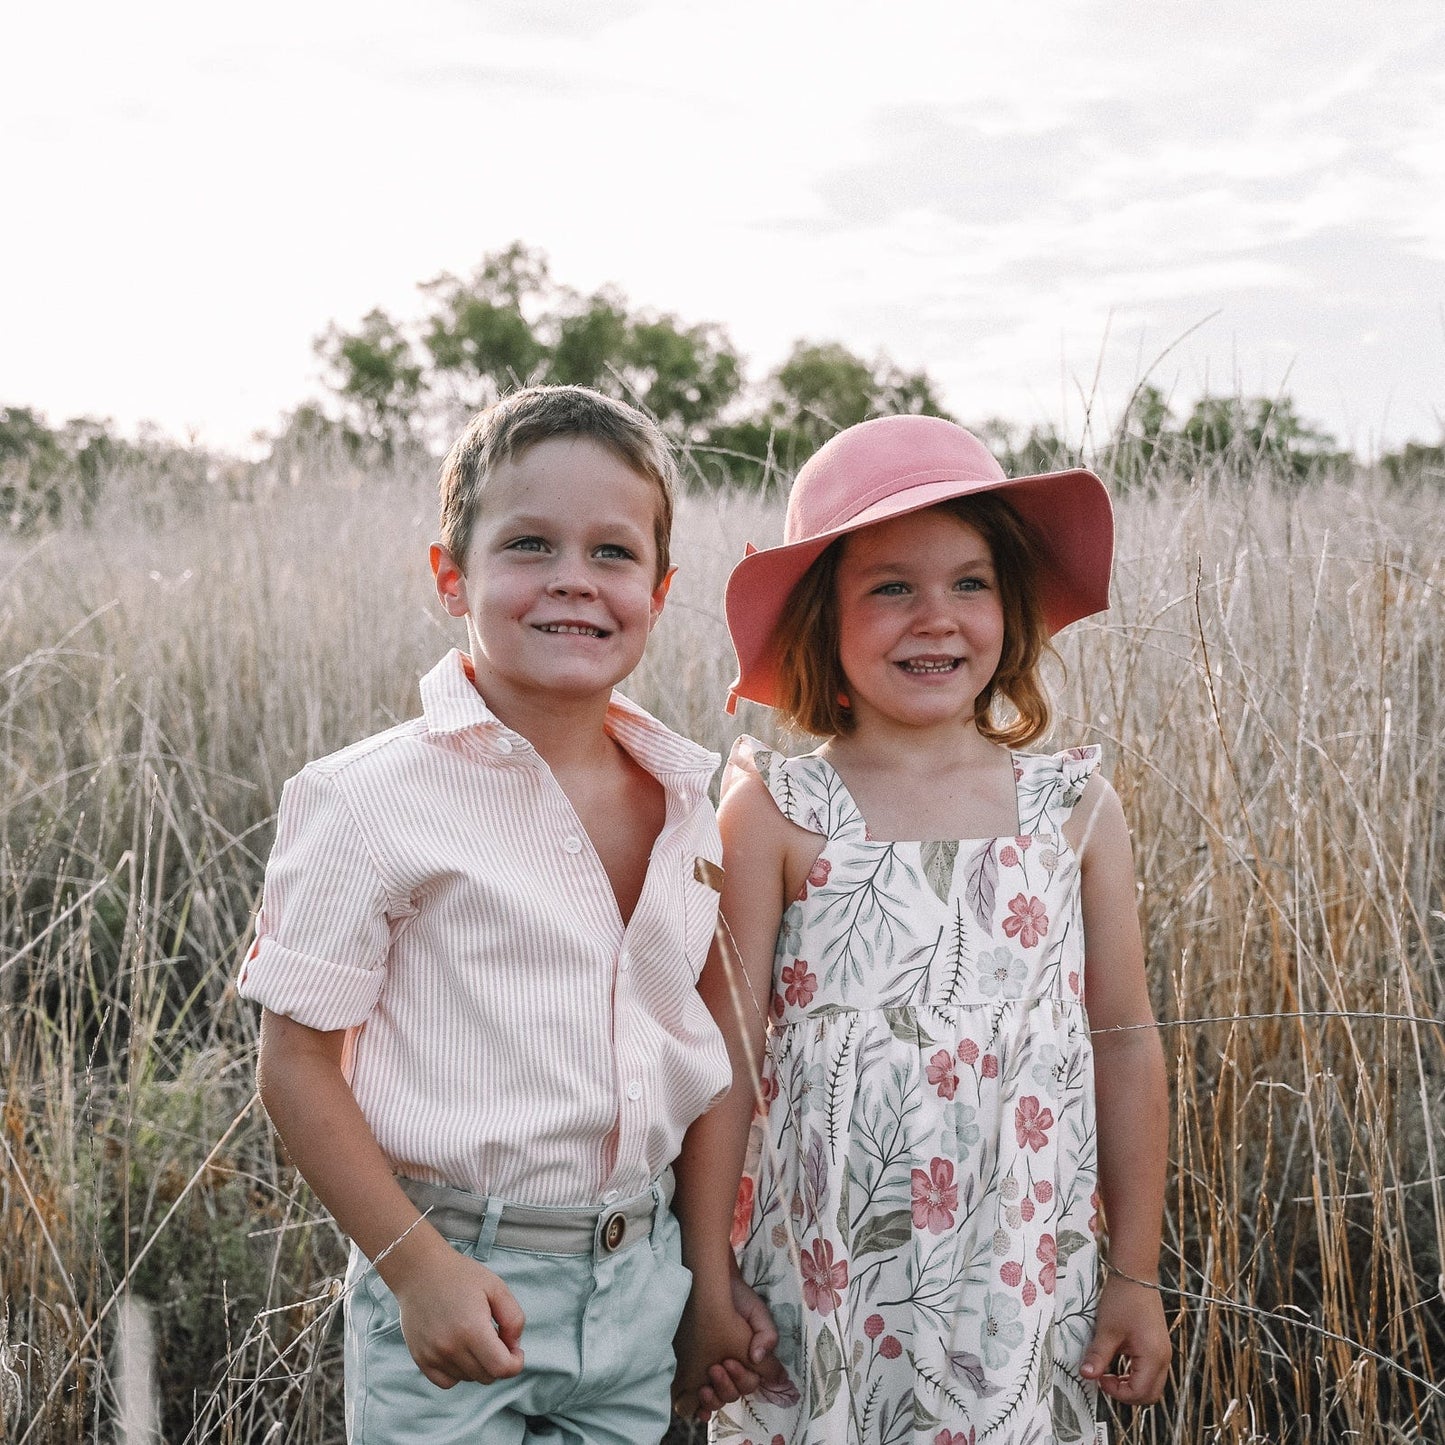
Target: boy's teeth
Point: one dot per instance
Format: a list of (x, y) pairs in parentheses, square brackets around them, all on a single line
[(575, 631)]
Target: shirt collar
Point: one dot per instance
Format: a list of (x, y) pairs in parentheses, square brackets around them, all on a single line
[(450, 703)]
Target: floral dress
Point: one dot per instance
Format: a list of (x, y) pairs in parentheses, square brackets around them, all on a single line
[(919, 1206)]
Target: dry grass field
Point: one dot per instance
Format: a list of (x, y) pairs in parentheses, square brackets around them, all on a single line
[(1270, 691)]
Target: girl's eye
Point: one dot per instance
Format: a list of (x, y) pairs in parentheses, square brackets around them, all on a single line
[(972, 584), (891, 589)]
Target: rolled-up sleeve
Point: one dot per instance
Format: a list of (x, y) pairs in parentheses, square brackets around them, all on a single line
[(323, 930)]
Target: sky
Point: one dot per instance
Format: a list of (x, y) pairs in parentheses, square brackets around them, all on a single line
[(1041, 205)]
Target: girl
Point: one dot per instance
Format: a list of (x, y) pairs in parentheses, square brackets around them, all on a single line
[(918, 912)]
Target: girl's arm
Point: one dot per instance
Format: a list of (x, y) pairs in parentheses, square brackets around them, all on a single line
[(458, 1319), (1132, 1104), (737, 987)]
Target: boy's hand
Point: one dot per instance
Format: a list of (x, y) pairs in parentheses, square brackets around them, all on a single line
[(709, 1333), (1131, 1323), (729, 1380), (459, 1320)]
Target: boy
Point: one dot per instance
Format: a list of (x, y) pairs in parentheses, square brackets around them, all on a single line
[(496, 905)]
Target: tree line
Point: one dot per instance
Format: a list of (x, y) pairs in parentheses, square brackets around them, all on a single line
[(399, 388)]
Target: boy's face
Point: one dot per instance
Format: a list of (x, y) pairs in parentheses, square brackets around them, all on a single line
[(559, 586)]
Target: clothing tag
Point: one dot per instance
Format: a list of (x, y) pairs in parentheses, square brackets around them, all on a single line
[(1101, 1434), (706, 871)]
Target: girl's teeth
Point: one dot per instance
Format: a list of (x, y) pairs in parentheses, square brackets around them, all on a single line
[(931, 666)]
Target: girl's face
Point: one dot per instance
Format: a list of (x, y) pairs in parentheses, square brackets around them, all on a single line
[(920, 620)]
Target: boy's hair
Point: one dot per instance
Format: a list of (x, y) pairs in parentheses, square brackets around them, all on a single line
[(537, 414), (811, 688)]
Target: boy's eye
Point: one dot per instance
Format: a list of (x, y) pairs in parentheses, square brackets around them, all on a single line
[(526, 544), (615, 551)]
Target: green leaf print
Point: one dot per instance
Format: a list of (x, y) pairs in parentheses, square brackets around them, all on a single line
[(969, 1369), (1068, 1244), (1068, 1423), (980, 883), (938, 861), (882, 1233), (903, 1024), (827, 1372)]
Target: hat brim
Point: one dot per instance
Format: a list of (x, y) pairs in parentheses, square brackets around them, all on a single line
[(1070, 513)]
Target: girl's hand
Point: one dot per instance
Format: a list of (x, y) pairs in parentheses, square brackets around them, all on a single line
[(459, 1320), (730, 1380), (1130, 1322), (710, 1339)]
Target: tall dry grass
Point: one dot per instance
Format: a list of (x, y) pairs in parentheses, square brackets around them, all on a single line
[(1269, 690)]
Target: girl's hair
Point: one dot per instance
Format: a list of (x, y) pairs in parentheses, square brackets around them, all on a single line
[(811, 689)]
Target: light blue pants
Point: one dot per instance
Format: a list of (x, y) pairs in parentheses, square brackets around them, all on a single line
[(597, 1339)]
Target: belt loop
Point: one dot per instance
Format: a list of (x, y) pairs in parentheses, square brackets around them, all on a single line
[(659, 1210), (487, 1235)]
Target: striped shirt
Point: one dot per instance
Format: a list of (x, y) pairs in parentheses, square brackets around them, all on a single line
[(433, 887)]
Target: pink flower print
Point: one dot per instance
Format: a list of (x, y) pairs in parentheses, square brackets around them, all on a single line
[(1027, 920), (873, 1326), (1048, 1253), (1024, 844), (768, 1089), (1011, 1272), (941, 1074), (1094, 1217), (1032, 1123), (1043, 1190), (823, 1280), (957, 1437), (989, 1067), (1026, 1208), (777, 1006), (818, 874), (890, 1347), (742, 1211), (967, 1051), (799, 985), (1074, 982), (935, 1197), (1007, 857), (1030, 1292)]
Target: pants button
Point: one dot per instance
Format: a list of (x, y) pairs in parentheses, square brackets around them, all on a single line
[(614, 1230)]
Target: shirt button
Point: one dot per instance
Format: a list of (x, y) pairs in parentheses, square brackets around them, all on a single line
[(634, 1091), (503, 745), (572, 845)]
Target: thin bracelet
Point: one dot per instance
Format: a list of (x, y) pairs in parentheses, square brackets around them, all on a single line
[(1144, 1283)]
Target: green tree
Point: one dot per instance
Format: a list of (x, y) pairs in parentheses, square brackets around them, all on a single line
[(1415, 462), (482, 332), (378, 378), (686, 376), (31, 463), (821, 388), (1243, 434), (1144, 440)]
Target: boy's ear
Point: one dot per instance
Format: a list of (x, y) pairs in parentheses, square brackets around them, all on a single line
[(451, 584), (659, 595)]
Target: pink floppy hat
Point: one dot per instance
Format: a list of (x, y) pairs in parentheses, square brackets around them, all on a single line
[(896, 464)]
